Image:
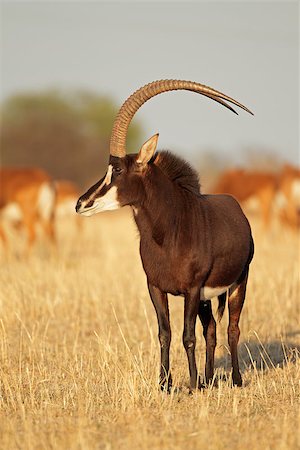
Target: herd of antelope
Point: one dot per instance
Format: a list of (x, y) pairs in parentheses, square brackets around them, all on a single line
[(198, 246), (274, 194), (29, 197)]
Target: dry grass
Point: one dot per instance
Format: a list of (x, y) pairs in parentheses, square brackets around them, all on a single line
[(79, 353)]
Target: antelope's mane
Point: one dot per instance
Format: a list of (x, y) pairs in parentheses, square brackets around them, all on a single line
[(178, 171)]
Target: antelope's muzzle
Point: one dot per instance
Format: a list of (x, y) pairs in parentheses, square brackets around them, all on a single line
[(80, 205), (106, 202), (86, 207)]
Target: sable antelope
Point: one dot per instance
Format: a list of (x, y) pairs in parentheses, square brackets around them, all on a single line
[(27, 196), (194, 245)]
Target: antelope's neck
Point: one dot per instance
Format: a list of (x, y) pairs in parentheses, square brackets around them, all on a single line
[(160, 212)]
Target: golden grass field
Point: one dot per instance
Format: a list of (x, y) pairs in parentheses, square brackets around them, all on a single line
[(80, 356)]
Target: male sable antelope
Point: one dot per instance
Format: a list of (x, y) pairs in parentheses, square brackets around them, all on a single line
[(194, 245)]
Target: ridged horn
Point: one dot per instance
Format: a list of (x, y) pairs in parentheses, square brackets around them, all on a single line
[(138, 98)]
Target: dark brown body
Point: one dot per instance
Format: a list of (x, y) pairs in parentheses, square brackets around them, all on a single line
[(192, 249), (190, 242), (194, 245), (190, 245)]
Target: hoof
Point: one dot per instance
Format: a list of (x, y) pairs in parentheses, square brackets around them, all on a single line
[(200, 387), (211, 384), (166, 386), (237, 380), (165, 389)]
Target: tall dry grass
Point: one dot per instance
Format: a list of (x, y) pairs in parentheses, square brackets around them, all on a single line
[(79, 354)]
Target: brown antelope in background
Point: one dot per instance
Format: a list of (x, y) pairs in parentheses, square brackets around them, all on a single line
[(194, 245), (289, 182), (27, 196), (66, 192), (243, 185), (275, 192), (66, 196)]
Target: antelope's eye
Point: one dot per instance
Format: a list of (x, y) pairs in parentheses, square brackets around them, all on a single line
[(117, 170)]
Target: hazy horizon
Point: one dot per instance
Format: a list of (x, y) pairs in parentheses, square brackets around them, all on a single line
[(249, 51)]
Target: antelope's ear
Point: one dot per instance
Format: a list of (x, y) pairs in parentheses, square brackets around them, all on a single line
[(147, 150)]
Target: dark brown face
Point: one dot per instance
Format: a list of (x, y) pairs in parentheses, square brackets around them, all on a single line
[(122, 185)]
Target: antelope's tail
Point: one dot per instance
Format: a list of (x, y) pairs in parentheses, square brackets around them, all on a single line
[(221, 306)]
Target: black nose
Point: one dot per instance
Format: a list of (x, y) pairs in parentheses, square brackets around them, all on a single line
[(78, 205)]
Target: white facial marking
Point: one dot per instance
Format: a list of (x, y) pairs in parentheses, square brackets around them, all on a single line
[(95, 208), (206, 293), (108, 202), (107, 179)]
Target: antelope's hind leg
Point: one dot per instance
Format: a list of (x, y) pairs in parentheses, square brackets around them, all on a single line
[(160, 303), (235, 306), (209, 332)]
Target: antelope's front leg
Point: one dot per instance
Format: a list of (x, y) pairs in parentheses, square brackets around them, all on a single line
[(191, 306), (160, 302)]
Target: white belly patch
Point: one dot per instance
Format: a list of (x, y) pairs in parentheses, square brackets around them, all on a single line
[(206, 293)]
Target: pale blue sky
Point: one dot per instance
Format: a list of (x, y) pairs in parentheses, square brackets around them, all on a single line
[(247, 50)]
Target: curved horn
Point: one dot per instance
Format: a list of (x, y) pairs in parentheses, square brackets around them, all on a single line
[(138, 98)]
